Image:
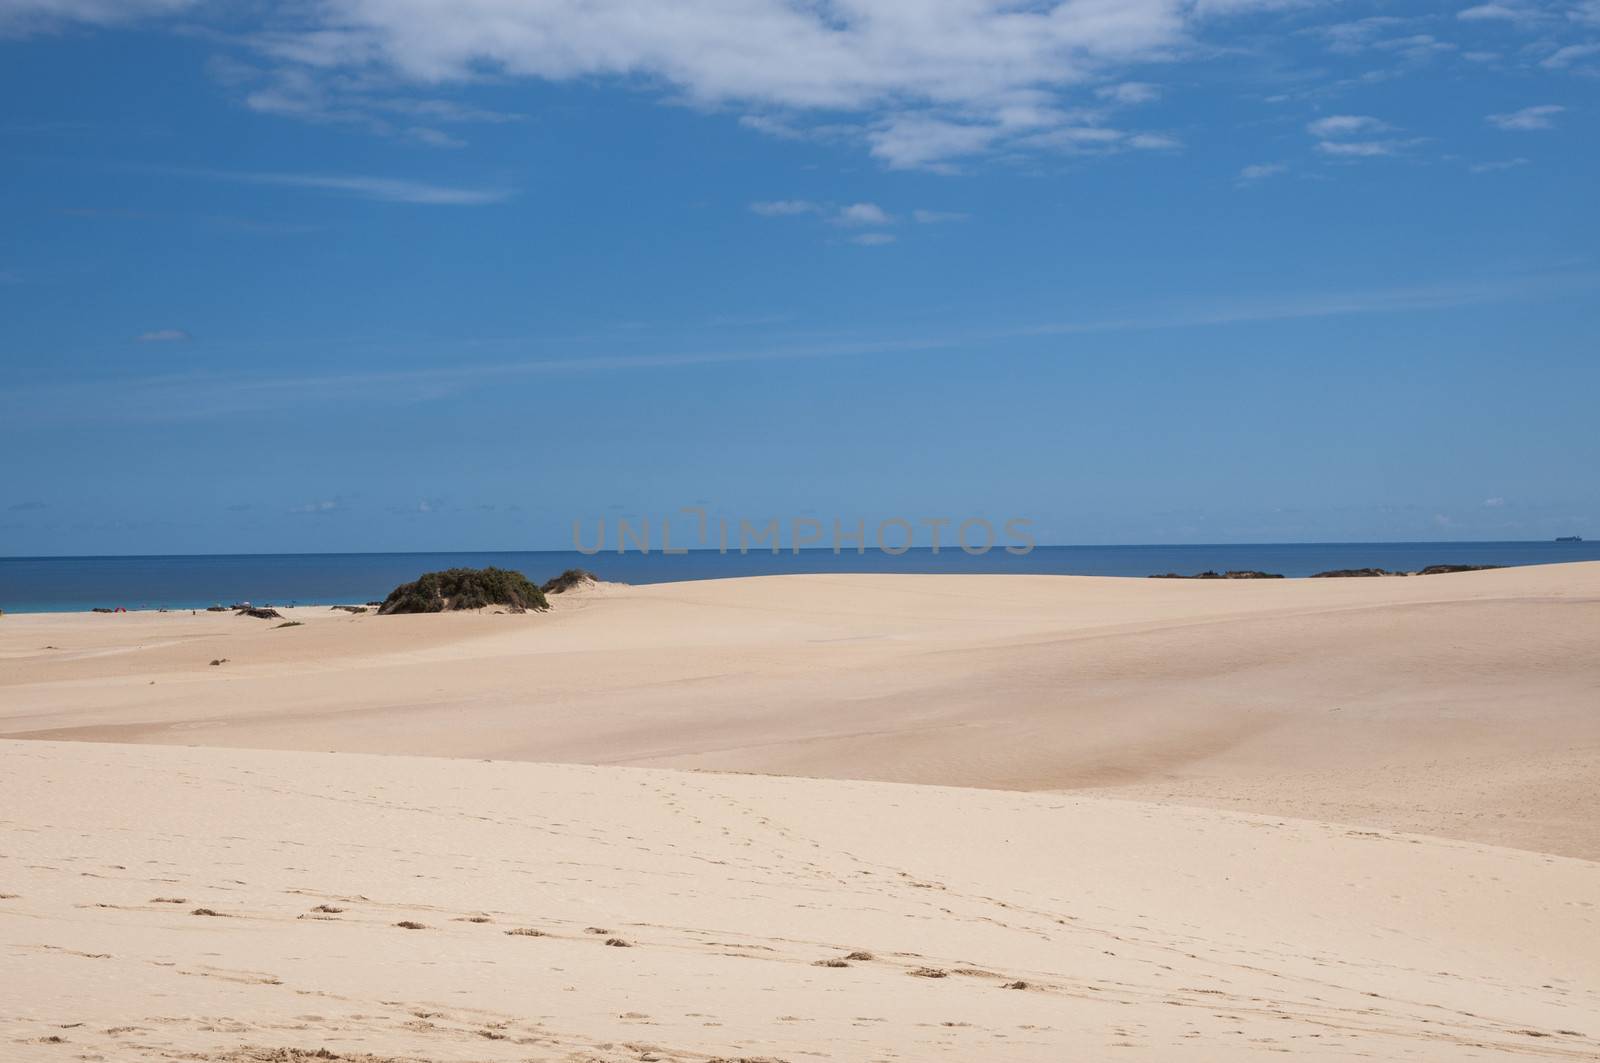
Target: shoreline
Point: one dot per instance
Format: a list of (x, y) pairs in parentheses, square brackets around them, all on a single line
[(1353, 571)]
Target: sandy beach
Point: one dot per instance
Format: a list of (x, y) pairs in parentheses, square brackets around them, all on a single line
[(1199, 820)]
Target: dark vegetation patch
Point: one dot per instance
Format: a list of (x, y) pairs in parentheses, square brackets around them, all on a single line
[(465, 588), (1237, 573), (572, 577)]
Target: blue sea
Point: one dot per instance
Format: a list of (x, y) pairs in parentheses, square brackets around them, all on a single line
[(64, 584)]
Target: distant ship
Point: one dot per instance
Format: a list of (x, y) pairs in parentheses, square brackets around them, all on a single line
[(1569, 538)]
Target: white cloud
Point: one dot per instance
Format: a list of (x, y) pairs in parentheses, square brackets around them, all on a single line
[(434, 138), (1493, 503), (1351, 37), (921, 83), (19, 17), (934, 217), (1357, 149), (778, 208), (325, 505), (1417, 47), (1129, 92), (1154, 142), (862, 214), (917, 140), (1565, 57), (1344, 125), (163, 335), (1498, 12), (872, 239), (1528, 119), (1261, 171), (1495, 167), (383, 189)]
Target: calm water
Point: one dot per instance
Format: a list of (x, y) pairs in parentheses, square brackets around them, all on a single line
[(55, 584)]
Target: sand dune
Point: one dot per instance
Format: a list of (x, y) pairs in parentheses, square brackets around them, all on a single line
[(1461, 705), (1140, 931)]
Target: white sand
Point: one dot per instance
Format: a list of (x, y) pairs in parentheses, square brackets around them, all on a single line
[(1463, 707), (1164, 932)]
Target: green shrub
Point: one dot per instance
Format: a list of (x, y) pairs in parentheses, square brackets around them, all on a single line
[(572, 577), (465, 588)]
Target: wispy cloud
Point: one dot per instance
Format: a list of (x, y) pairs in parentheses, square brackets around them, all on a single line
[(782, 208), (382, 189), (847, 215), (1572, 53), (872, 239), (935, 217), (1357, 149), (863, 214), (1500, 11), (1344, 125), (1528, 119), (164, 335), (1262, 170), (23, 17), (1129, 92), (1498, 165), (177, 397)]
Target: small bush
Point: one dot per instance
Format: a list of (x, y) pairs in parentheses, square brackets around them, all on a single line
[(465, 588), (572, 577)]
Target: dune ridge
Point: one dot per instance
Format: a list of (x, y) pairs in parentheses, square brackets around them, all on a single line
[(1459, 705)]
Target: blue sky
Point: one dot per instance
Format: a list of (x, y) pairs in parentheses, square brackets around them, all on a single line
[(362, 275)]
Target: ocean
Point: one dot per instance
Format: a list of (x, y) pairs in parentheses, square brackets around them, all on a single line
[(65, 584)]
